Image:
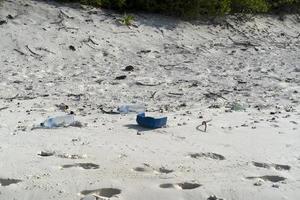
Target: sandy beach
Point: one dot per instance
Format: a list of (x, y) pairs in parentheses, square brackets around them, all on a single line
[(241, 76)]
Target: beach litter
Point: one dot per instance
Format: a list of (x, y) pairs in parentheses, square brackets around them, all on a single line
[(134, 108), (59, 121), (151, 122), (236, 107)]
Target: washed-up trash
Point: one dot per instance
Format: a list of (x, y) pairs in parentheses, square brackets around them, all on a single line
[(237, 107), (151, 122), (60, 121), (137, 108)]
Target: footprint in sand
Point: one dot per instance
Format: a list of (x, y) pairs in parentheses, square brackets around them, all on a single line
[(147, 168), (183, 186), (100, 193), (270, 178), (8, 181), (211, 155), (268, 166), (164, 170), (142, 169), (82, 165)]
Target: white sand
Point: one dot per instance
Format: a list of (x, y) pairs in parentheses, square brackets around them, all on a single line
[(182, 70)]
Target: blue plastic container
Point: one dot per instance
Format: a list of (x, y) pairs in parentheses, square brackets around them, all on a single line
[(151, 122)]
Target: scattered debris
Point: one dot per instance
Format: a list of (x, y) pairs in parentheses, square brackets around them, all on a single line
[(121, 77), (151, 122), (59, 121), (236, 107), (134, 108)]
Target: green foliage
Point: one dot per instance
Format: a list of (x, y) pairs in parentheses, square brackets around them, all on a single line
[(96, 3), (250, 6), (127, 20), (192, 8)]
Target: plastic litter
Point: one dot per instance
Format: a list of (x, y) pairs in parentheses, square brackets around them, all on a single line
[(125, 109), (151, 122), (60, 121)]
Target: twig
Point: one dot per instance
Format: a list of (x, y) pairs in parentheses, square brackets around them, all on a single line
[(92, 41), (175, 94), (90, 45), (235, 29), (61, 16), (147, 84), (20, 52), (209, 94), (65, 14), (246, 43), (153, 94), (204, 123), (33, 52), (123, 32), (44, 49), (66, 28), (58, 22)]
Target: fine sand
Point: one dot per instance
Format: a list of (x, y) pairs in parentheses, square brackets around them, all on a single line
[(242, 76)]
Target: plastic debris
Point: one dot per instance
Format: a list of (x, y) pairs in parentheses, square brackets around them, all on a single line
[(125, 109), (151, 122), (60, 121)]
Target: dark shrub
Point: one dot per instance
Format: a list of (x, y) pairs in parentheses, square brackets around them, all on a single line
[(192, 8)]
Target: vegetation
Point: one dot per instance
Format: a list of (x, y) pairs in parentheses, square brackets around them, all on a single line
[(127, 20), (191, 8)]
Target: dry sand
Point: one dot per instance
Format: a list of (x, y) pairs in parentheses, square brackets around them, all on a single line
[(244, 76)]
